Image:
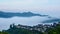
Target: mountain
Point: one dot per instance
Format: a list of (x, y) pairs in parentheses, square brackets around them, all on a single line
[(51, 20), (24, 14)]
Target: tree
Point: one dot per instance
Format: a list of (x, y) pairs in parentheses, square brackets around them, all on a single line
[(3, 33)]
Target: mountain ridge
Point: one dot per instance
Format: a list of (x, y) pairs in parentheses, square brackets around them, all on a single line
[(24, 14)]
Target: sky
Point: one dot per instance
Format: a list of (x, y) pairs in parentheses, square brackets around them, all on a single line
[(46, 5)]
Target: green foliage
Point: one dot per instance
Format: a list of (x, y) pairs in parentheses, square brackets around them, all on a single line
[(22, 31), (55, 30), (3, 33)]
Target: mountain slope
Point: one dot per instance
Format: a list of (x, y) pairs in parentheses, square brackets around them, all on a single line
[(24, 14)]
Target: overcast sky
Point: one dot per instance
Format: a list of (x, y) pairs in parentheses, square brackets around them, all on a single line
[(30, 5)]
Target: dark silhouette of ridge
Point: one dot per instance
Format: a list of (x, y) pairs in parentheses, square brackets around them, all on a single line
[(51, 20), (24, 14)]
